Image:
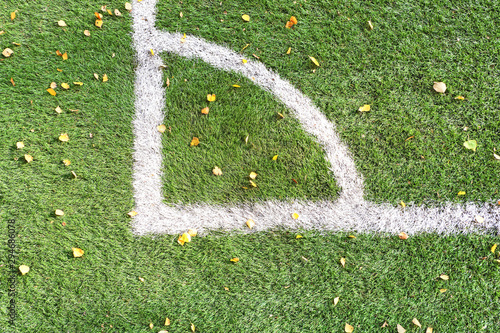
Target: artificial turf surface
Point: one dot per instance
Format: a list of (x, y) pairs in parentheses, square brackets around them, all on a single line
[(280, 284)]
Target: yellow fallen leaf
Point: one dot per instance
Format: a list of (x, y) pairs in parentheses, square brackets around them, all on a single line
[(416, 322), (59, 212), (460, 97), (216, 171), (128, 6), (192, 327), (493, 248), (298, 236), (98, 15), (226, 288), (20, 145), (295, 216), (245, 17), (16, 44), (7, 52), (293, 19), (471, 144), (65, 85), (151, 325), (64, 137), (184, 238), (205, 110), (78, 83), (192, 232), (61, 23), (275, 157), (403, 235), (370, 25), (167, 321), (12, 81), (86, 33), (109, 12), (77, 252), (211, 97), (195, 141), (281, 115), (235, 259), (117, 13), (98, 23), (141, 279), (342, 261), (351, 236), (289, 24), (105, 78), (289, 50), (161, 128), (252, 175), (336, 300), (314, 61), (65, 56), (400, 329), (364, 108), (181, 15), (443, 290), (66, 162), (12, 16), (428, 330), (444, 277), (253, 183), (59, 70), (53, 85), (244, 61), (250, 224), (24, 269), (402, 204), (440, 87), (479, 219), (96, 76), (348, 328), (74, 174), (236, 86), (497, 157), (132, 213), (28, 158), (51, 91), (461, 193), (152, 52), (59, 53)]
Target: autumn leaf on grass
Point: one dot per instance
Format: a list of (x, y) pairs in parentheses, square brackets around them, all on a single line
[(24, 269), (348, 328), (61, 23), (216, 171), (192, 232), (460, 98), (78, 83), (400, 329), (370, 25), (402, 204), (167, 322), (105, 78), (443, 290), (86, 33), (28, 158), (275, 157), (493, 248), (184, 238), (314, 60), (98, 23), (295, 216), (342, 262), (117, 13), (59, 212), (336, 300), (444, 277), (12, 81), (128, 6), (7, 52), (403, 235), (289, 50), (236, 86), (12, 16), (205, 110), (245, 18), (51, 91), (416, 322), (161, 128), (20, 145), (289, 24), (440, 87), (293, 19), (65, 85), (211, 97), (428, 330), (65, 56), (64, 137), (235, 260), (471, 144), (195, 141), (77, 252), (192, 327), (461, 193), (132, 213), (250, 223), (244, 61), (364, 108), (252, 175), (66, 162), (253, 183)]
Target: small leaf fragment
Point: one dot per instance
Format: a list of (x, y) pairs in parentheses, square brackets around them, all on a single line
[(64, 137), (402, 204), (429, 330), (98, 23), (151, 325), (403, 235), (205, 110), (471, 144), (141, 279), (275, 157), (109, 12), (293, 19), (181, 15), (77, 252), (342, 261), (161, 128), (65, 56), (444, 277), (250, 223), (65, 85), (216, 171), (59, 212), (152, 52), (61, 23), (364, 108), (12, 81), (117, 13), (53, 85), (184, 238), (479, 219), (105, 78), (20, 145), (493, 248), (7, 52), (351, 236), (295, 216), (236, 86), (314, 60), (192, 232), (132, 213), (370, 25), (460, 98), (443, 290), (28, 158), (96, 76), (78, 83), (400, 329), (51, 91), (59, 53), (461, 193), (58, 110), (211, 97), (86, 33), (235, 259), (167, 321), (24, 269), (12, 16), (252, 175), (253, 183), (289, 50), (416, 322), (298, 237), (128, 6), (74, 174), (66, 162), (245, 17), (195, 141), (496, 156), (192, 327), (385, 324), (336, 300), (289, 24), (348, 328), (440, 87), (244, 61)]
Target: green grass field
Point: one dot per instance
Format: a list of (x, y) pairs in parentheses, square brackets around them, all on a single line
[(281, 283)]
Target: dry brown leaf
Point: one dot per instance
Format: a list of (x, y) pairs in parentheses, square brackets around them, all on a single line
[(77, 252), (195, 141), (342, 261), (403, 235), (440, 87), (401, 329), (7, 52), (64, 137), (61, 23), (205, 110), (161, 128), (28, 158), (216, 171), (250, 223), (348, 328), (20, 145), (59, 53), (416, 322)]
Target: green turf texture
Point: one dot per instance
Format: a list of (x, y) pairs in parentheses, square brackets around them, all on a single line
[(392, 68), (281, 284), (237, 113)]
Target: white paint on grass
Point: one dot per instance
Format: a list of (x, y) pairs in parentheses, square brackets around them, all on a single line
[(349, 212)]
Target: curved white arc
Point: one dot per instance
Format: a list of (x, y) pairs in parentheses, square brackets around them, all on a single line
[(349, 212)]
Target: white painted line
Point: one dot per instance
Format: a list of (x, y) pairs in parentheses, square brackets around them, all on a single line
[(349, 212)]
